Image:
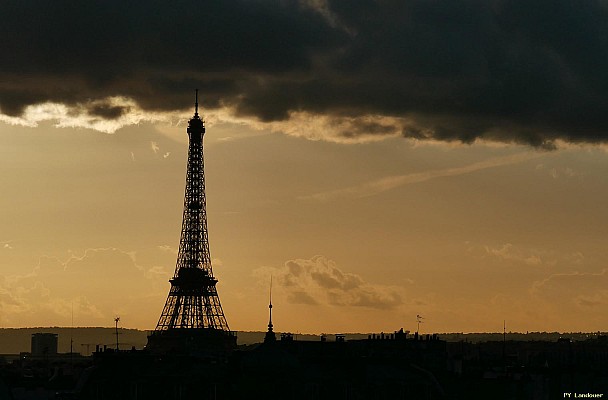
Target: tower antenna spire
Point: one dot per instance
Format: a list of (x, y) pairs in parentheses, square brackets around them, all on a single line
[(196, 102)]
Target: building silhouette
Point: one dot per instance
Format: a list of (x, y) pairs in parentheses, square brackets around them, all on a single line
[(44, 344)]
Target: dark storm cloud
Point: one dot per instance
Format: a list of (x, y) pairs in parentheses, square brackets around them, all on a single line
[(504, 70), (107, 111)]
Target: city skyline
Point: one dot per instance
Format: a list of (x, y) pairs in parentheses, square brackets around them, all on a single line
[(458, 175)]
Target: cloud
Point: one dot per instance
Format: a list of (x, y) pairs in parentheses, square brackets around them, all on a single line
[(168, 249), (300, 297), (449, 70), (319, 281), (94, 285), (381, 185), (105, 115), (597, 299), (578, 293), (510, 253), (559, 172), (587, 282)]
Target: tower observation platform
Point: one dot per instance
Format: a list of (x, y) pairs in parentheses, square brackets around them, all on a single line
[(192, 320)]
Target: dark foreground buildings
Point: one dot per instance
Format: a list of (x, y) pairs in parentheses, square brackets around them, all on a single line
[(283, 369), (384, 366)]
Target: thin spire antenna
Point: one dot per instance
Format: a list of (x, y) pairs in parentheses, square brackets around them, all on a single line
[(72, 338), (504, 344), (116, 320), (419, 319), (270, 337), (196, 102), (270, 304)]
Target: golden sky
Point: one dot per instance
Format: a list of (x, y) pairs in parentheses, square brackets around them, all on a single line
[(358, 237)]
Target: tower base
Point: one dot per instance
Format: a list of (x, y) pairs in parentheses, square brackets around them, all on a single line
[(200, 342)]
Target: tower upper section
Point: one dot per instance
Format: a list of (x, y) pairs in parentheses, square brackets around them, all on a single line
[(196, 126)]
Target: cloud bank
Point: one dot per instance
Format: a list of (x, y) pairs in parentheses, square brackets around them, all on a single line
[(448, 70), (320, 281), (92, 288)]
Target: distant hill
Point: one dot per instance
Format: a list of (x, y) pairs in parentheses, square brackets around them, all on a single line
[(84, 340)]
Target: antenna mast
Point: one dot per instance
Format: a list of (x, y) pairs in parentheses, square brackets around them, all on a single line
[(196, 103), (116, 320), (419, 319)]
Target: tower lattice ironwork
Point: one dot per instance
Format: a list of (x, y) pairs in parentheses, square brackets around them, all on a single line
[(193, 302)]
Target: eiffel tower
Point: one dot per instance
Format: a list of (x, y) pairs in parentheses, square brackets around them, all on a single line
[(192, 320)]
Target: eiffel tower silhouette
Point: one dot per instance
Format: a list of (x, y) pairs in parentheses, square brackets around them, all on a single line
[(192, 320)]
